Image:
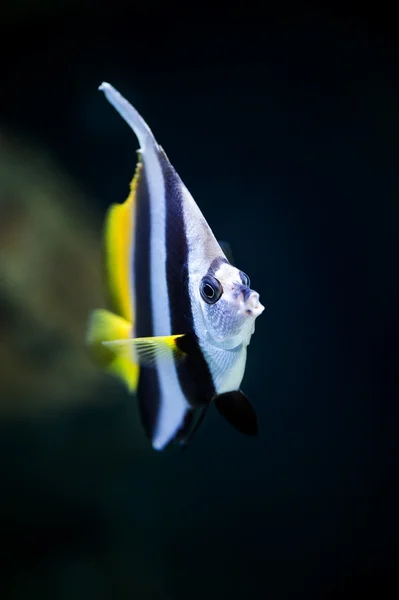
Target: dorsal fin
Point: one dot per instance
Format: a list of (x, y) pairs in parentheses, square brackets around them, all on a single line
[(130, 114), (119, 244)]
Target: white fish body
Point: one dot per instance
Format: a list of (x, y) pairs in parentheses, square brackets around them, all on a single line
[(183, 315)]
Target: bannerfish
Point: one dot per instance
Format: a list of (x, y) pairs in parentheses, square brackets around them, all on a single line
[(182, 315)]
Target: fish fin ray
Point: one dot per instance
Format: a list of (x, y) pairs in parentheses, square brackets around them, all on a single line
[(104, 326), (235, 407), (119, 242), (147, 350)]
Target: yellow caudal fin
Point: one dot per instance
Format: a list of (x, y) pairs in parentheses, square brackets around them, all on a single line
[(105, 326), (119, 245)]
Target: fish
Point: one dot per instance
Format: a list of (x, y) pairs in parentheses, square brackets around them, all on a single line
[(180, 315)]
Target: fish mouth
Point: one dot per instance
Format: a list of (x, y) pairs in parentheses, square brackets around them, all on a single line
[(252, 306)]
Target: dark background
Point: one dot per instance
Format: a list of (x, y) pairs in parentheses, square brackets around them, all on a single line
[(285, 130)]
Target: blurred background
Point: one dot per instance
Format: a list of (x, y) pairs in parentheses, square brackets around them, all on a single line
[(285, 130)]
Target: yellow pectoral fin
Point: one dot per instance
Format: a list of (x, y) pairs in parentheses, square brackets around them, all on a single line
[(103, 327), (145, 351)]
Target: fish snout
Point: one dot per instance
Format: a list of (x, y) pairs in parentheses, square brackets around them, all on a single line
[(252, 305)]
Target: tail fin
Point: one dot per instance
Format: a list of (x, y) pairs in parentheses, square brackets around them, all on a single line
[(105, 326)]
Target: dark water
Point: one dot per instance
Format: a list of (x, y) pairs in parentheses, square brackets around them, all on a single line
[(287, 137)]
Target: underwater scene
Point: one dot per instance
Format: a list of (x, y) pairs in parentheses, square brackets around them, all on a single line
[(198, 305)]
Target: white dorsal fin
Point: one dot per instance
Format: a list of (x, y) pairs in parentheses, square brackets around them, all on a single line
[(130, 114)]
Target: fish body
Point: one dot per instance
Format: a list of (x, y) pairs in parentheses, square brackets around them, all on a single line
[(181, 314)]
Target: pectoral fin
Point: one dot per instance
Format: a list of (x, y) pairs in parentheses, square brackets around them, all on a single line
[(145, 351), (225, 246), (238, 411)]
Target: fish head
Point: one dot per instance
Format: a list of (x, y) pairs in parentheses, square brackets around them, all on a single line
[(228, 306)]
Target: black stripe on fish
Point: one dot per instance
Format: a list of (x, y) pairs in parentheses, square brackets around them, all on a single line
[(148, 390), (215, 264), (194, 375)]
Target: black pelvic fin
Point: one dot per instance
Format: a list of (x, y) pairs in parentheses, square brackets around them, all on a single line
[(225, 246), (238, 411)]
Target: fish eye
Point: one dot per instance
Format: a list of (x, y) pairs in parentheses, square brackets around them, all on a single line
[(210, 289), (245, 279)]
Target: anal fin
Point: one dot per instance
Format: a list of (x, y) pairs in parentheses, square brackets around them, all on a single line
[(185, 440)]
